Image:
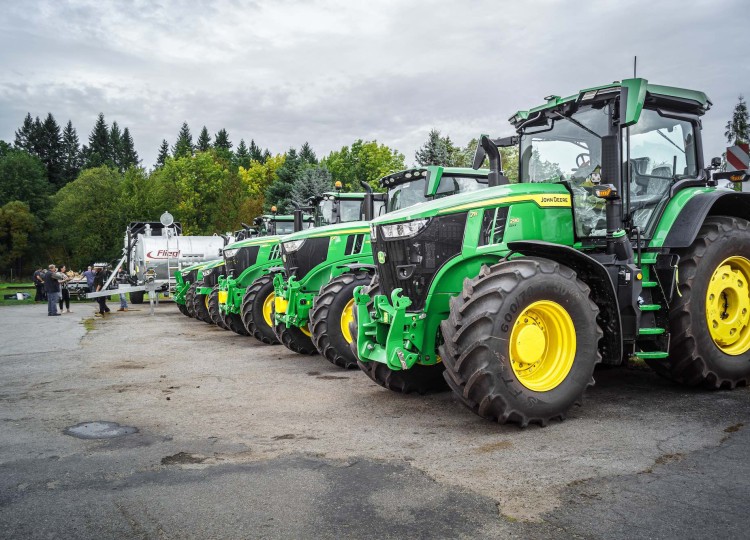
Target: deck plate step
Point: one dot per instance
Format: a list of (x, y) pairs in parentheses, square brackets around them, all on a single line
[(651, 355), (651, 331), (649, 307)]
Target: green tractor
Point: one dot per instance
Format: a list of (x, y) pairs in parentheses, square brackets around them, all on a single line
[(204, 288), (183, 280), (246, 259), (323, 266), (253, 262), (615, 244)]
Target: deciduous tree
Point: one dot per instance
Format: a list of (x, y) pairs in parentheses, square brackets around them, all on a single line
[(365, 161)]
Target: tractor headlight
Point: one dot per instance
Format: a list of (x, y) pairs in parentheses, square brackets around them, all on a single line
[(231, 252), (403, 230), (293, 245)]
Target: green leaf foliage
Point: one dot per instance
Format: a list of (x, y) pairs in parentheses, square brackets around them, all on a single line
[(365, 161), (23, 178), (17, 225)]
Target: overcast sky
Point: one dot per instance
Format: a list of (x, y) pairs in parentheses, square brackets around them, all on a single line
[(284, 72)]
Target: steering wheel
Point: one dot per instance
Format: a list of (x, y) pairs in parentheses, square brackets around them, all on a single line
[(583, 159)]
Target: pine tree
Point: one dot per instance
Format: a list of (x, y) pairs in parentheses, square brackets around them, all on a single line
[(36, 142), (279, 192), (26, 135), (50, 150), (116, 149), (266, 155), (71, 154), (204, 141), (255, 153), (221, 140), (738, 128), (161, 158), (437, 150), (307, 155), (312, 182), (183, 147), (242, 155), (98, 150), (129, 155)]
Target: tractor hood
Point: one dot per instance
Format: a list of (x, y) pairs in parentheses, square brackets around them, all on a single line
[(543, 194), (350, 227), (212, 264), (259, 241), (197, 266)]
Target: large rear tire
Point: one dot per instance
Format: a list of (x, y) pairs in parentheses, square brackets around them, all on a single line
[(295, 339), (200, 305), (257, 310), (420, 378), (521, 342), (331, 317), (710, 318), (190, 300), (136, 297), (213, 309)]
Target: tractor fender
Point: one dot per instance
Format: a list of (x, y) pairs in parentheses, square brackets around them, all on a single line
[(698, 208), (593, 274)]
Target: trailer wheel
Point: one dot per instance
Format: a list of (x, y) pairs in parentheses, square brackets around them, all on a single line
[(136, 297), (331, 318), (710, 318), (295, 339), (200, 305), (213, 309), (257, 310), (521, 342), (189, 300), (421, 379)]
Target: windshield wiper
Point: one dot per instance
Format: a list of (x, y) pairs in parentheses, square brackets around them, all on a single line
[(576, 122), (670, 141)]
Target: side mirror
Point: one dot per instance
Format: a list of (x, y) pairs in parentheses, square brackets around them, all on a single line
[(715, 162)]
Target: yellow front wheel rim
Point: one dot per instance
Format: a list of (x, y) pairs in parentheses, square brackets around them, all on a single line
[(268, 309), (347, 317), (543, 346), (728, 306), (205, 300), (306, 331)]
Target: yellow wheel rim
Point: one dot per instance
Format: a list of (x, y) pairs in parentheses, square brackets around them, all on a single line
[(347, 317), (542, 346), (728, 306), (306, 331), (268, 309), (205, 300)]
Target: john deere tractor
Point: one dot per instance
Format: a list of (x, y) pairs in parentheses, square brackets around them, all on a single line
[(256, 286), (194, 301), (249, 257), (184, 279), (615, 244), (323, 266), (207, 284)]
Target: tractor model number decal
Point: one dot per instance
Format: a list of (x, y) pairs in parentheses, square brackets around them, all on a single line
[(514, 221), (381, 257)]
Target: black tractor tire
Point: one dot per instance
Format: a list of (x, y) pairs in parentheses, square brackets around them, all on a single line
[(252, 310), (420, 379), (234, 322), (477, 341), (183, 309), (213, 309), (294, 338), (190, 299), (326, 318), (200, 305), (136, 297), (694, 358)]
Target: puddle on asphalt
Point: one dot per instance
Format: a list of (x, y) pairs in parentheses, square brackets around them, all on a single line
[(99, 430)]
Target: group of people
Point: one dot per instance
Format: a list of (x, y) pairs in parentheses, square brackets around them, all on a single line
[(52, 285)]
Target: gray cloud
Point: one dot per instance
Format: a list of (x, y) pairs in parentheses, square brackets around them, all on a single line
[(283, 72)]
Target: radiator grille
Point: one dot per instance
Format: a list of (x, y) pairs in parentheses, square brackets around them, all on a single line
[(313, 252), (244, 258)]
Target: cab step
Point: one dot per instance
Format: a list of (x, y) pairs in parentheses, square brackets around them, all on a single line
[(649, 284), (651, 355), (652, 331), (649, 307)]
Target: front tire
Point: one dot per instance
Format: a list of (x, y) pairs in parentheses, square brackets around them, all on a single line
[(136, 297), (710, 319), (190, 300), (331, 317), (521, 342), (200, 305), (257, 310), (213, 309), (295, 339), (234, 322), (183, 309)]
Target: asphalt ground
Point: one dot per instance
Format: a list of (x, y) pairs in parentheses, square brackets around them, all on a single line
[(240, 440)]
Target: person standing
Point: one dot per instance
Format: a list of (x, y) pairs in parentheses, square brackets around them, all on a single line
[(89, 275), (122, 279), (64, 292), (39, 284), (52, 288), (100, 277)]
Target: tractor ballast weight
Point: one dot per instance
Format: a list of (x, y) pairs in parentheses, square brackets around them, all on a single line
[(615, 244)]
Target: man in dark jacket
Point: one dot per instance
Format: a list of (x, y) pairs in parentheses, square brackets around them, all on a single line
[(99, 280), (52, 288), (39, 284)]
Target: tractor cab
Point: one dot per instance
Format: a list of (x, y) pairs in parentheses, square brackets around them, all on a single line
[(274, 224), (413, 186), (641, 139), (334, 207)]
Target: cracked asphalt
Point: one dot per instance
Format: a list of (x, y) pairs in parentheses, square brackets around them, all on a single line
[(240, 440)]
